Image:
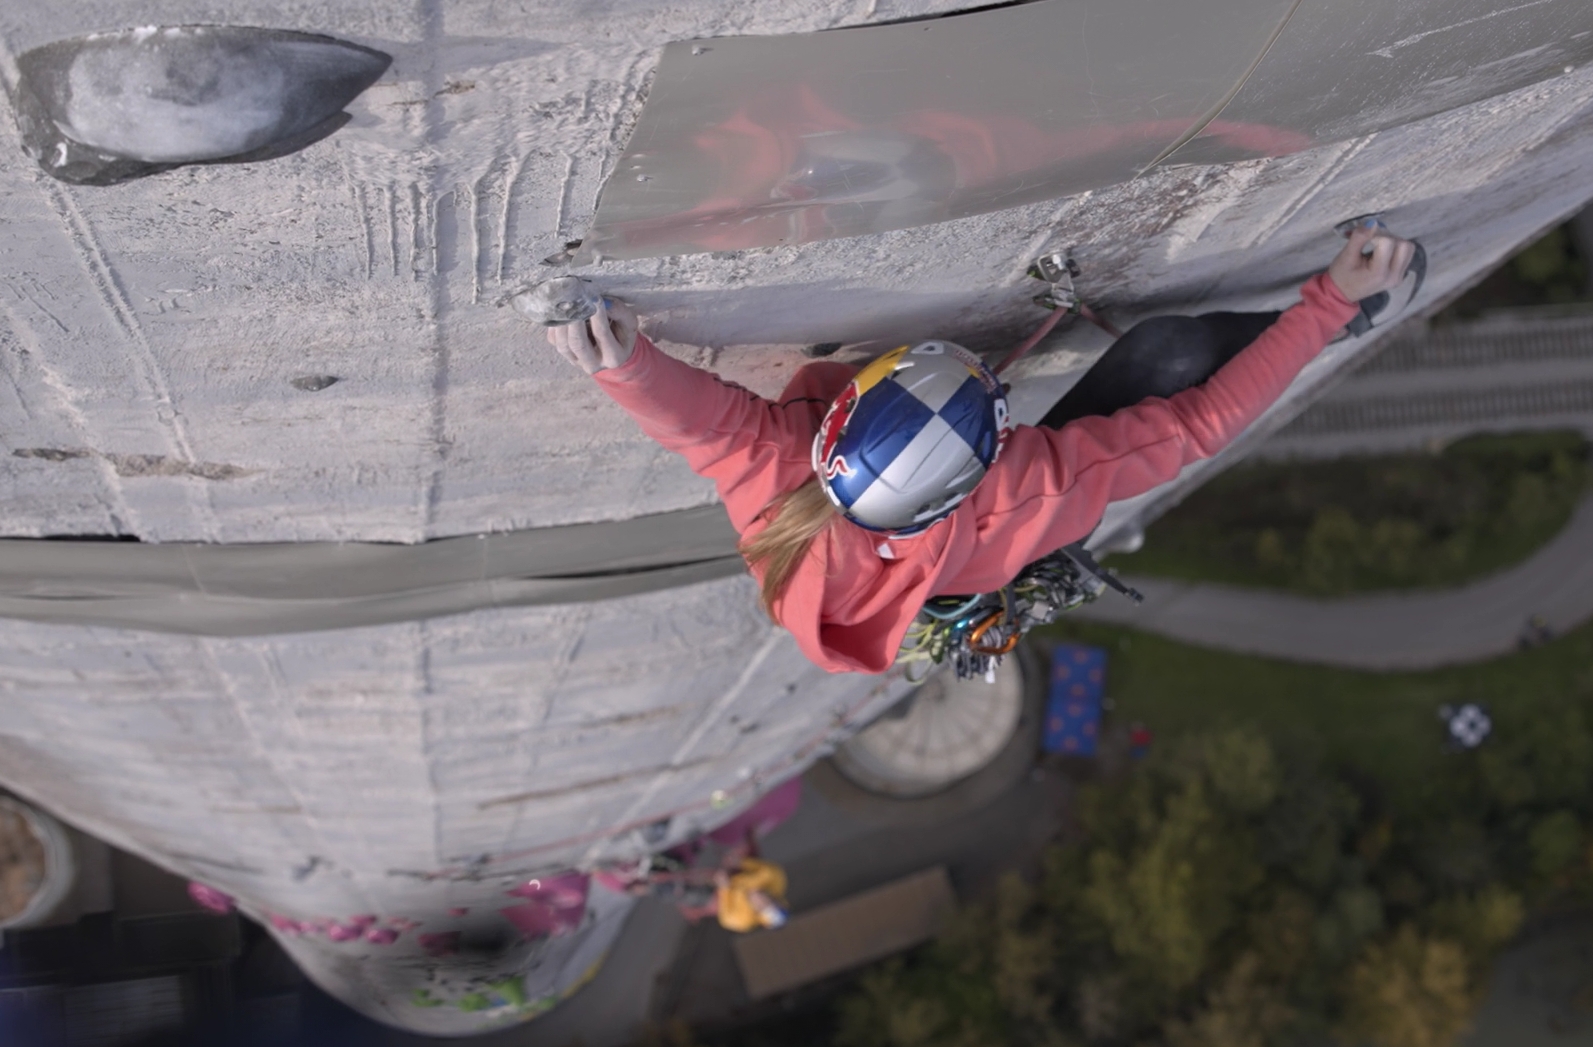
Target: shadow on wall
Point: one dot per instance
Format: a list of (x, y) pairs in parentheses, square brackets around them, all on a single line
[(111, 107), (867, 319)]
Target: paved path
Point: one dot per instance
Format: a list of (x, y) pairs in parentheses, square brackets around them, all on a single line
[(1408, 630)]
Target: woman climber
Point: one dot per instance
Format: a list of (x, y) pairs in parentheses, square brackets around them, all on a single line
[(860, 495)]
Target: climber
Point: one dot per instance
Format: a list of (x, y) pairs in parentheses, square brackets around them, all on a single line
[(860, 495), (750, 896)]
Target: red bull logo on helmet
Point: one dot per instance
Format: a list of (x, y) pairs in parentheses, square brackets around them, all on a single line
[(934, 394)]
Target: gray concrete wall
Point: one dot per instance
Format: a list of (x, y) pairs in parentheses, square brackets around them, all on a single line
[(148, 337)]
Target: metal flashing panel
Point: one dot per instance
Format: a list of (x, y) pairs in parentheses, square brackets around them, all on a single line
[(1345, 68), (759, 141), (293, 587)]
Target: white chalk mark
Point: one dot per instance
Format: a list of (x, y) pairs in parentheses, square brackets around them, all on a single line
[(515, 168), (1216, 197), (1046, 231), (1318, 185), (475, 240), (432, 229), (365, 227), (9, 74), (417, 241), (1388, 52), (21, 394), (390, 194), (564, 199)]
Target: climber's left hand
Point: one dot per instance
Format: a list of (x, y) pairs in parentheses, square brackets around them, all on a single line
[(605, 340)]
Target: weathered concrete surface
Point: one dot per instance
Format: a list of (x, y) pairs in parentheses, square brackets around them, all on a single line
[(149, 334), (164, 319), (405, 771)]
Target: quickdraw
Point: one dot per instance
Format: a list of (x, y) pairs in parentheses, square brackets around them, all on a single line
[(975, 632)]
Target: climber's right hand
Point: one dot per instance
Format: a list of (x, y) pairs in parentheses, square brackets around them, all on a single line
[(1372, 260), (605, 340)]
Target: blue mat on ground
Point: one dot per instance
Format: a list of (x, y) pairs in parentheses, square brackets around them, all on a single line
[(1073, 711)]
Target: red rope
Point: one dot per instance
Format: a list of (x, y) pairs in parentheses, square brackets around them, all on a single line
[(1090, 315), (1045, 329), (1032, 341)]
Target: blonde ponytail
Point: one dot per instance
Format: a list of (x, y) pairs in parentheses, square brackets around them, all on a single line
[(795, 519)]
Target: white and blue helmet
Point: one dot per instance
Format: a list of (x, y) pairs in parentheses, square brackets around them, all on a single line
[(910, 436)]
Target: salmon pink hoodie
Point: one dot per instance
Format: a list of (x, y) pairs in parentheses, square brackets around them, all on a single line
[(850, 601)]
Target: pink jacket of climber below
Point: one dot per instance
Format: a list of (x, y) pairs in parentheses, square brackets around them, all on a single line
[(849, 603)]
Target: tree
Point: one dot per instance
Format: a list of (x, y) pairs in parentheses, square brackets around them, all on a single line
[(1221, 897), (1171, 878), (1482, 922), (1542, 757), (1245, 1009), (1409, 990), (1557, 844), (989, 980)]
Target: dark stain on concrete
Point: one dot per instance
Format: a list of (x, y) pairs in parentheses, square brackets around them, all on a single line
[(130, 465)]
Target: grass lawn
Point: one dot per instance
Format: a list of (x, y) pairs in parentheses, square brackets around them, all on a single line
[(1373, 523), (1383, 726)]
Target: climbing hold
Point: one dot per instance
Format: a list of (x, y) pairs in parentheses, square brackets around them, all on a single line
[(564, 256), (563, 300), (110, 107)]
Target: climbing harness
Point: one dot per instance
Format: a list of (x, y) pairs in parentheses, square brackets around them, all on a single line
[(973, 633)]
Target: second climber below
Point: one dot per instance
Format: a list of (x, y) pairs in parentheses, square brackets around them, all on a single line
[(861, 494)]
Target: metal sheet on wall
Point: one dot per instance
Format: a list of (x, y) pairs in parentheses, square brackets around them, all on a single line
[(294, 587), (765, 140), (1344, 68)]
